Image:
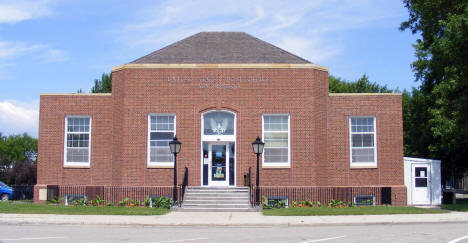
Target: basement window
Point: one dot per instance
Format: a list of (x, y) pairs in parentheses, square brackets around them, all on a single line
[(364, 200), (276, 202), (75, 199)]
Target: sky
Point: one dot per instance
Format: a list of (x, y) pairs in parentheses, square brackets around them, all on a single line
[(58, 46)]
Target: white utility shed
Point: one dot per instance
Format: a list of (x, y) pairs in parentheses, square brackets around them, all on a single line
[(423, 181)]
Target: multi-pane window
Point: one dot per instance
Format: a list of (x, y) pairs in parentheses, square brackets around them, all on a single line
[(276, 139), (363, 149), (161, 132), (77, 140)]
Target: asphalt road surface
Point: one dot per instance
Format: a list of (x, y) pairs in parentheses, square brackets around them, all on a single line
[(445, 232)]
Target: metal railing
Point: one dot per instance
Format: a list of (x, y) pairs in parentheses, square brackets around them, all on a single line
[(324, 195), (23, 192), (251, 188), (183, 187), (112, 194)]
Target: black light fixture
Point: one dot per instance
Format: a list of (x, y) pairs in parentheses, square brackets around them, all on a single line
[(257, 146), (175, 145)]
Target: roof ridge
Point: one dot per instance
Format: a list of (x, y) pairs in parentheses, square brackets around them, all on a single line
[(221, 47)]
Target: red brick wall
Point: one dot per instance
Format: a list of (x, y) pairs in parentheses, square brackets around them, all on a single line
[(53, 110), (319, 127), (389, 127), (298, 92)]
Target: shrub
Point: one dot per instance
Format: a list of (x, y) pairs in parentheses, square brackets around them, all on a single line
[(98, 201), (56, 200), (123, 203), (162, 202), (273, 203), (147, 202)]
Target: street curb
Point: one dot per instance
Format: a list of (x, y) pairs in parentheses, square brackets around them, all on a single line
[(231, 225), (230, 220)]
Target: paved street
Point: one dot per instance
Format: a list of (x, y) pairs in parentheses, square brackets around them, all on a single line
[(440, 232)]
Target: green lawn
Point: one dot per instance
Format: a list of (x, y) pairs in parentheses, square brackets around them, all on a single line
[(348, 211), (31, 208), (462, 205)]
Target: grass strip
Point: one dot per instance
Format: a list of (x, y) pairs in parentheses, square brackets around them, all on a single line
[(376, 210), (31, 208), (462, 206)]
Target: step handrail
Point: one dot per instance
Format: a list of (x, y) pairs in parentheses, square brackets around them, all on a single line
[(183, 186)]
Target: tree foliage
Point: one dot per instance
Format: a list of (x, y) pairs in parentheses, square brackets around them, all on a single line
[(362, 85), (442, 68), (103, 85), (18, 158)]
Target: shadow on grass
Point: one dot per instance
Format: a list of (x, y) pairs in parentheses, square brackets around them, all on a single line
[(31, 208), (462, 206)]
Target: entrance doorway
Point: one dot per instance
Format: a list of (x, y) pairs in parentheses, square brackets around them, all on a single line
[(218, 164), (218, 137), (421, 184)]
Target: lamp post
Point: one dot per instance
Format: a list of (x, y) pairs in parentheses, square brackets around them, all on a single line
[(174, 145), (257, 146)]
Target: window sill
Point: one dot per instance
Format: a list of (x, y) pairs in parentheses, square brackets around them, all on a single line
[(160, 166), (276, 166), (363, 166), (77, 166)]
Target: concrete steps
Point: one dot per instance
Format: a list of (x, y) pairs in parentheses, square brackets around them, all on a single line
[(216, 199)]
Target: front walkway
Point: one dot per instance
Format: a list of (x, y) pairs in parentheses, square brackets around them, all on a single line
[(230, 219)]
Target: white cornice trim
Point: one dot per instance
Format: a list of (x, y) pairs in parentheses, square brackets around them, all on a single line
[(226, 65), (362, 94), (77, 94)]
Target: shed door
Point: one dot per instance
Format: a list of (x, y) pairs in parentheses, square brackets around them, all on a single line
[(421, 184)]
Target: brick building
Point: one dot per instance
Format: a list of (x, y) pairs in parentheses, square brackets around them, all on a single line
[(218, 91)]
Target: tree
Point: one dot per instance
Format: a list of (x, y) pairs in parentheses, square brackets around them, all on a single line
[(103, 85), (16, 149), (442, 68), (362, 85)]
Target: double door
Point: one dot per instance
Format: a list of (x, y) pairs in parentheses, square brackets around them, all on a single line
[(218, 164)]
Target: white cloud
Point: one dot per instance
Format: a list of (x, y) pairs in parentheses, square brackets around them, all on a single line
[(310, 29), (10, 49), (21, 10), (54, 55), (19, 117), (13, 11)]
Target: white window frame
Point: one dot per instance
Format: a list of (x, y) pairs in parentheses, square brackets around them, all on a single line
[(362, 164), (77, 164), (277, 165), (218, 138), (148, 141)]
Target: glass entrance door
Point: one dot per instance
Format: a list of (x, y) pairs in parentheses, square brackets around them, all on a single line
[(218, 156)]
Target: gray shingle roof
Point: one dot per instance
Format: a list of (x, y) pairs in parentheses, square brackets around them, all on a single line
[(220, 47)]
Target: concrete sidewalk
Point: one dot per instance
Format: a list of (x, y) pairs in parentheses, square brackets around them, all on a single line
[(230, 219)]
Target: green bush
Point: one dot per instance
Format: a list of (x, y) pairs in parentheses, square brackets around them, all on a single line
[(273, 203), (162, 202)]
